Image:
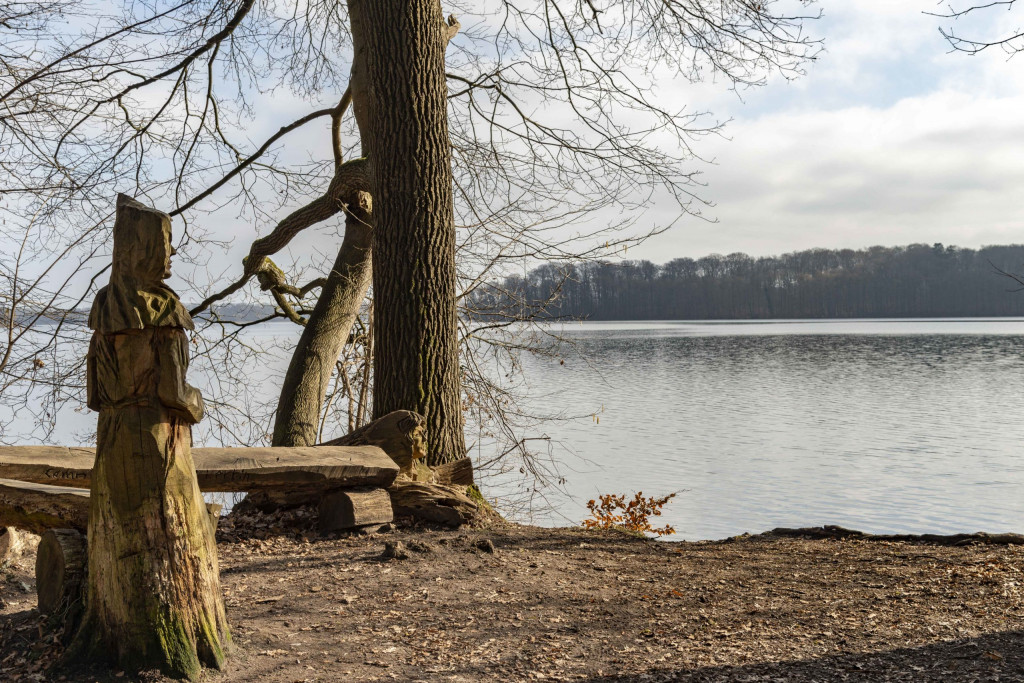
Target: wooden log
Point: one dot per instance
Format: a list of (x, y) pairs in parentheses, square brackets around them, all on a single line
[(11, 543), (354, 508), (38, 507), (54, 465), (220, 469), (399, 433), (60, 568), (311, 467), (438, 503), (456, 472)]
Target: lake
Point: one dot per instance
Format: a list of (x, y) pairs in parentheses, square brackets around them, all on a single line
[(886, 426)]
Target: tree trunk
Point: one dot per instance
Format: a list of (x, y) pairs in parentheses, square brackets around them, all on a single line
[(325, 335), (154, 597), (416, 364)]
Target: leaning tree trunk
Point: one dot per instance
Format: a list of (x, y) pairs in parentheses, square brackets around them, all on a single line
[(416, 362), (324, 337)]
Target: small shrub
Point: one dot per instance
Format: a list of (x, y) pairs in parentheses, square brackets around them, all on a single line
[(614, 512)]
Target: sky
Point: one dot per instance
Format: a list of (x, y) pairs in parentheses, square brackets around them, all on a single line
[(889, 139)]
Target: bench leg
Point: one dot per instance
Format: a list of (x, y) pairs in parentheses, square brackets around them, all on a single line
[(60, 572)]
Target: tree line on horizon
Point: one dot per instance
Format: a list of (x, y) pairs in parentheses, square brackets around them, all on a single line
[(917, 280)]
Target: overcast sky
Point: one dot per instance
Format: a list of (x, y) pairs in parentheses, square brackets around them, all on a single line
[(889, 139)]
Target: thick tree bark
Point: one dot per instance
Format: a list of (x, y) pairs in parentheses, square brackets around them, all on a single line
[(324, 336), (416, 364)]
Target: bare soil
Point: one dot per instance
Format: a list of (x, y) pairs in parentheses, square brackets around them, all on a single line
[(524, 603)]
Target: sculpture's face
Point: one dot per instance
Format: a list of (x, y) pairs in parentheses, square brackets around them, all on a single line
[(153, 260), (142, 244), (170, 251)]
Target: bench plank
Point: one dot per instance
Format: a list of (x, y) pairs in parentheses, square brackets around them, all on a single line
[(38, 507), (220, 469)]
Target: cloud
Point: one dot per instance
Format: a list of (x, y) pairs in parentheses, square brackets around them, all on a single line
[(890, 140)]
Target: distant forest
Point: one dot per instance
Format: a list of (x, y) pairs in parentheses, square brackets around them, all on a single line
[(918, 280)]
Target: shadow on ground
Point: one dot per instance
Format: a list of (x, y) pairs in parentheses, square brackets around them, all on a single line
[(993, 657)]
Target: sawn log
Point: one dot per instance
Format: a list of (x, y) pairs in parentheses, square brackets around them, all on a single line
[(354, 508)]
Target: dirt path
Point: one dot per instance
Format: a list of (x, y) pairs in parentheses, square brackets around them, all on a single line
[(525, 603)]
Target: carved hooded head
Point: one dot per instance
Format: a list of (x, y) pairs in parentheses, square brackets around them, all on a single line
[(142, 242), (136, 296)]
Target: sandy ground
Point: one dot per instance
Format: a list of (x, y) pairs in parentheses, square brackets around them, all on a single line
[(521, 603)]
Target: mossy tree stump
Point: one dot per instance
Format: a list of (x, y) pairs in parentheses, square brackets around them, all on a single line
[(153, 598)]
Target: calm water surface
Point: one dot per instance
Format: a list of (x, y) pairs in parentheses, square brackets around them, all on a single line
[(884, 426), (880, 425)]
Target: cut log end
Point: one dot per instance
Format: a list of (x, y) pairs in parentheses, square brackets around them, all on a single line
[(60, 569), (458, 472), (350, 509)]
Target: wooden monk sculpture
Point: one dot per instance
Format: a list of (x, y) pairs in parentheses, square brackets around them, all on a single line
[(154, 598)]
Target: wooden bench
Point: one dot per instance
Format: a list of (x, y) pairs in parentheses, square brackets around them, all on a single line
[(350, 482), (220, 469), (41, 486)]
